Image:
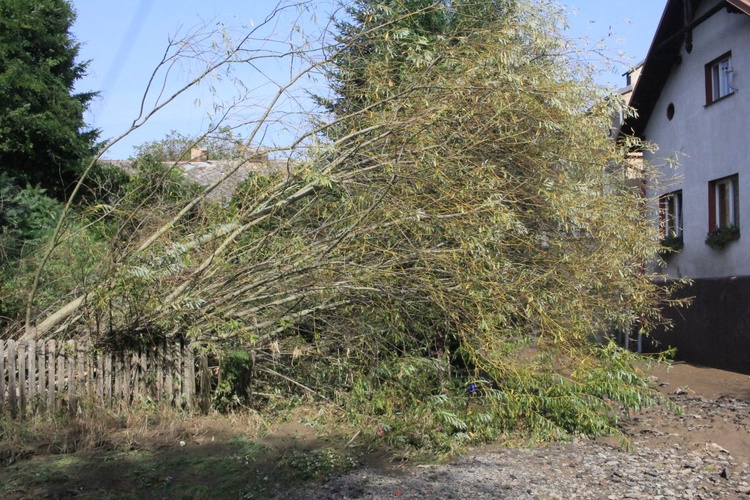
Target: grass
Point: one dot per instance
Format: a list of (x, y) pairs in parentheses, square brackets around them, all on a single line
[(167, 456)]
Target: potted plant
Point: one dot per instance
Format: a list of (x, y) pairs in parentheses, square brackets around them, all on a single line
[(671, 244), (719, 237)]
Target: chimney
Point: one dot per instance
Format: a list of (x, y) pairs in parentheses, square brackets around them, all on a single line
[(198, 154)]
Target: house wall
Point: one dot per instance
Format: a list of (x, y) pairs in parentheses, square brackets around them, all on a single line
[(708, 142), (715, 330)]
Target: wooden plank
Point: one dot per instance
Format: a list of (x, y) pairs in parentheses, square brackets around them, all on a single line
[(90, 381), (32, 375), (205, 393), (41, 368), (81, 378), (51, 380), (108, 379), (135, 364), (126, 372), (184, 367), (12, 397), (116, 375), (142, 370), (159, 354), (168, 385), (148, 382), (100, 378), (61, 374), (21, 346), (178, 371), (189, 375), (2, 376), (70, 358)]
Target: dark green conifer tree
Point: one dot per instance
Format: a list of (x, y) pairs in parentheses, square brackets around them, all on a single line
[(43, 136)]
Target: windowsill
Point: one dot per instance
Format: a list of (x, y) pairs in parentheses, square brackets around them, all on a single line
[(720, 99)]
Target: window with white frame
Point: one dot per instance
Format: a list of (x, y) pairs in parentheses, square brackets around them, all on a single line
[(719, 78), (670, 214), (724, 203)]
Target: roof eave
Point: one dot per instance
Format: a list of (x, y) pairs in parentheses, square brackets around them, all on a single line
[(663, 53)]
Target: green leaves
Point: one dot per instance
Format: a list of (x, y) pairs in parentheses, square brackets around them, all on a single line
[(43, 137)]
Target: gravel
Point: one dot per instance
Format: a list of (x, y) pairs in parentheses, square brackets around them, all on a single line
[(671, 457)]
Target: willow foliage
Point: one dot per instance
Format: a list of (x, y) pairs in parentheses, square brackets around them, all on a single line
[(508, 234)]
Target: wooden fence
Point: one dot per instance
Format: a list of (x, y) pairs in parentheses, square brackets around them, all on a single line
[(52, 375)]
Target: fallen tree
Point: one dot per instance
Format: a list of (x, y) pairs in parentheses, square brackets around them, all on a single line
[(448, 238)]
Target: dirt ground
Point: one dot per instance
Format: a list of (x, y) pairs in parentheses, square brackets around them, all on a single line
[(712, 385), (216, 458), (706, 382)]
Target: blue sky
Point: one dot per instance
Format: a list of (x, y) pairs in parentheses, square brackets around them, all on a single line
[(125, 40)]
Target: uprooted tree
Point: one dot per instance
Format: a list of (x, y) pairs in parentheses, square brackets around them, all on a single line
[(439, 253)]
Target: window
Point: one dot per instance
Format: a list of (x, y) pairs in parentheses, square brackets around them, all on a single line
[(670, 215), (723, 203), (719, 78)]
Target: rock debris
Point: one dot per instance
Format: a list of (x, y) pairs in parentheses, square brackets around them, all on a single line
[(671, 457)]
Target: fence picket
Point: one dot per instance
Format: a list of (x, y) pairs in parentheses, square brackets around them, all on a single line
[(168, 386), (117, 374), (178, 376), (142, 367), (100, 378), (159, 356), (61, 375), (42, 375), (46, 375), (51, 380), (32, 374), (69, 359), (90, 381), (126, 373), (2, 376), (187, 363), (80, 374), (12, 399), (22, 378), (108, 379)]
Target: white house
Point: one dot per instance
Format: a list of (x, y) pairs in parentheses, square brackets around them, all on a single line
[(693, 102)]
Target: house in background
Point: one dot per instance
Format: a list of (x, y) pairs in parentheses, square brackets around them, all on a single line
[(200, 170), (693, 102)]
